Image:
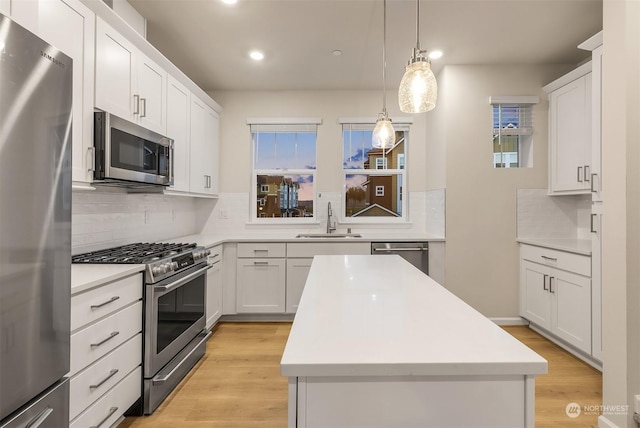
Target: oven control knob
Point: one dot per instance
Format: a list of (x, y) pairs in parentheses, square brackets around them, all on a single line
[(207, 253), (156, 270), (165, 267), (170, 267), (174, 265)]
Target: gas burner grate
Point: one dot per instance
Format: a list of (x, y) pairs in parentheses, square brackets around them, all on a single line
[(138, 253)]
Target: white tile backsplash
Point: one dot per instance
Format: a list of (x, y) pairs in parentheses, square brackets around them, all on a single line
[(542, 216), (435, 212), (108, 218)]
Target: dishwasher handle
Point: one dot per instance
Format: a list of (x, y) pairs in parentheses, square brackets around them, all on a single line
[(390, 250)]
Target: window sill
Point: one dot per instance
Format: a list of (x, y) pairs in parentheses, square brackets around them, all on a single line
[(282, 222)]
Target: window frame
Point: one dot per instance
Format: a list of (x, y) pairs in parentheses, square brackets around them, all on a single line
[(368, 124), (285, 123), (524, 132)]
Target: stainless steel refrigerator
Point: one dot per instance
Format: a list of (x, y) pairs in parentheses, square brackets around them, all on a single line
[(35, 229)]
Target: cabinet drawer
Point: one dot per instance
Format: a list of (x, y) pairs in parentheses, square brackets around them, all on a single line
[(559, 259), (97, 340), (267, 249), (300, 250), (91, 383), (216, 254), (108, 409), (98, 302)]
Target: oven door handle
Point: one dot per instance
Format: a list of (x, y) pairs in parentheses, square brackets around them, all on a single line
[(181, 281)]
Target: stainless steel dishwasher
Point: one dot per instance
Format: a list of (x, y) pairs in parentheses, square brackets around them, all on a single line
[(416, 253)]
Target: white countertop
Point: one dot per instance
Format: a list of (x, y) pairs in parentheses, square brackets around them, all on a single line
[(578, 246), (87, 276), (209, 240), (380, 316)]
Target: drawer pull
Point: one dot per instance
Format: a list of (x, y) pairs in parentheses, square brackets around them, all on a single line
[(111, 374), (111, 412), (102, 342), (214, 256), (261, 263), (544, 282), (39, 420), (551, 278), (214, 263), (111, 300), (551, 259)]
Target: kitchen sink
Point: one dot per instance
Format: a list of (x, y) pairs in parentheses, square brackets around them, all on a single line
[(329, 235)]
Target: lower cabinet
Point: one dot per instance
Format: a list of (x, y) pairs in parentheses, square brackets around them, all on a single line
[(214, 287), (297, 272), (557, 300), (261, 285)]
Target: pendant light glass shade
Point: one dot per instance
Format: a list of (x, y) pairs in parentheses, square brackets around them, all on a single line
[(418, 90), (384, 136)]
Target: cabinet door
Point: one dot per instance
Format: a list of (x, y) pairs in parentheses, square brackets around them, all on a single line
[(115, 73), (23, 12), (535, 299), (297, 272), (70, 26), (596, 281), (5, 7), (211, 150), (596, 127), (571, 308), (569, 136), (261, 285), (214, 294), (197, 176), (178, 130), (152, 90)]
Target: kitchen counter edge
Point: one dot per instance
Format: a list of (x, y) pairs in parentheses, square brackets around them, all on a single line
[(577, 246), (87, 276)]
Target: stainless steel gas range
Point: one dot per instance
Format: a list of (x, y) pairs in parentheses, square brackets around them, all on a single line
[(174, 301)]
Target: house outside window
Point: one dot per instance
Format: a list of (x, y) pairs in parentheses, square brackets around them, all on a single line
[(374, 178), (513, 131), (284, 169)]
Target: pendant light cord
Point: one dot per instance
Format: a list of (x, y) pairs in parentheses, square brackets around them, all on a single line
[(418, 25), (384, 57)]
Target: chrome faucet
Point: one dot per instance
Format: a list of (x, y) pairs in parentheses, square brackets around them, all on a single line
[(330, 227)]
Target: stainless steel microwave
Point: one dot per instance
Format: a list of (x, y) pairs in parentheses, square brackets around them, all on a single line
[(126, 153)]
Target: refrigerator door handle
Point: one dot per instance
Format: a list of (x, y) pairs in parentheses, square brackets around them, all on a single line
[(39, 420)]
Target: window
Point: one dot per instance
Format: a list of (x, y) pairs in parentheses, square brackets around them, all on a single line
[(373, 178), (284, 168), (512, 131)]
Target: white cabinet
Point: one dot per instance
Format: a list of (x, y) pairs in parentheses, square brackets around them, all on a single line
[(128, 84), (214, 286), (261, 286), (596, 128), (297, 272), (106, 350), (596, 280), (178, 103), (23, 12), (570, 132), (5, 7), (555, 294), (204, 140)]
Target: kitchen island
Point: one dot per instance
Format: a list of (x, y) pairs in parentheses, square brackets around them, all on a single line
[(376, 343)]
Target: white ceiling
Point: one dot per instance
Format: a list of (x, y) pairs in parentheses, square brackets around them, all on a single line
[(210, 41)]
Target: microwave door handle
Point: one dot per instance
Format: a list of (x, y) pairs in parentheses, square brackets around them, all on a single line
[(171, 152)]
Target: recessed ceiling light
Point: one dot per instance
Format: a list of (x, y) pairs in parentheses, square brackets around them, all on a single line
[(256, 55), (435, 54), (229, 1), (337, 52)]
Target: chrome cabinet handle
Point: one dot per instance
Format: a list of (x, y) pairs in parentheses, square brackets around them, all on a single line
[(592, 229), (136, 104), (593, 178), (544, 282), (111, 374), (579, 174), (551, 259), (386, 250), (587, 173), (111, 412), (39, 420), (260, 263), (111, 300), (144, 107), (92, 150), (551, 278), (102, 342)]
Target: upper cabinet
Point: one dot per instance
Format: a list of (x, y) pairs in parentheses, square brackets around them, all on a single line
[(178, 104), (570, 166), (128, 84), (204, 150)]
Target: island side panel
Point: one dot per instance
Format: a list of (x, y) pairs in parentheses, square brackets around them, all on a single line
[(530, 401), (426, 401), (292, 413)]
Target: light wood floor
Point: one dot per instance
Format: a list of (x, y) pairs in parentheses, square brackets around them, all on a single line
[(238, 383)]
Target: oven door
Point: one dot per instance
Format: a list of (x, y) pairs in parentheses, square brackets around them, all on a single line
[(174, 315), (126, 151)]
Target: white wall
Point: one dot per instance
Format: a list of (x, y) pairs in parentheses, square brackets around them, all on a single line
[(481, 248), (621, 218), (235, 165)]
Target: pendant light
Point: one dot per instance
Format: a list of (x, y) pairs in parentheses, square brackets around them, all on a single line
[(384, 136), (418, 90)]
